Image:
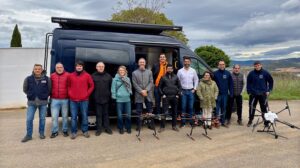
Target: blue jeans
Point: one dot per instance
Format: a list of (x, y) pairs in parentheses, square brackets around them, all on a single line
[(31, 109), (139, 110), (157, 100), (221, 107), (58, 105), (124, 108), (187, 102), (83, 106)]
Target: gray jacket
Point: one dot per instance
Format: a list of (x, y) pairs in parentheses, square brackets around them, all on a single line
[(142, 80), (238, 83)]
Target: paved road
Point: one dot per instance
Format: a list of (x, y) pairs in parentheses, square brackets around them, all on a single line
[(236, 146)]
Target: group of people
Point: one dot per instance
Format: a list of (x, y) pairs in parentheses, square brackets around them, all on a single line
[(159, 85)]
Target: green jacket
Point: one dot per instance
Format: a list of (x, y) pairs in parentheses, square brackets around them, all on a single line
[(119, 90), (207, 92)]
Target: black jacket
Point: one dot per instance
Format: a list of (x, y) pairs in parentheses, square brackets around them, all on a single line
[(102, 89), (169, 85)]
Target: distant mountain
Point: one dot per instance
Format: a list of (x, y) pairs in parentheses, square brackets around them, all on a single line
[(272, 64)]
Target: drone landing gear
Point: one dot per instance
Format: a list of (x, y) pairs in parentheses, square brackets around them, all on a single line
[(270, 129), (204, 124), (149, 120)]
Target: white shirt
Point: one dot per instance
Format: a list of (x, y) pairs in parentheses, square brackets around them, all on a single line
[(188, 78)]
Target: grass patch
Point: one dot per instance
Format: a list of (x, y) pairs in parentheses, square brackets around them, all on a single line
[(286, 87)]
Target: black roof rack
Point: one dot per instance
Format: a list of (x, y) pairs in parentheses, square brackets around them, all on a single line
[(83, 24)]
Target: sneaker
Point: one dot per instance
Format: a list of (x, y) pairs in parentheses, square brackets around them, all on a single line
[(53, 135), (249, 123), (175, 129), (129, 131), (240, 122), (86, 134), (161, 130), (73, 136), (225, 125), (121, 131), (42, 136), (108, 131), (182, 126), (26, 138), (66, 134), (98, 133)]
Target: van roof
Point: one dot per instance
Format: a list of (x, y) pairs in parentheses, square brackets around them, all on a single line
[(124, 27)]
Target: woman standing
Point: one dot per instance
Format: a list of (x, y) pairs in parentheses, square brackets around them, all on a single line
[(207, 92), (121, 90)]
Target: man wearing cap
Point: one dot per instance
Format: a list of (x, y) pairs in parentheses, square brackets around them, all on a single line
[(80, 87), (259, 86)]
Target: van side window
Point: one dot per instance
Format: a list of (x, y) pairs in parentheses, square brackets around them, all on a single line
[(198, 66)]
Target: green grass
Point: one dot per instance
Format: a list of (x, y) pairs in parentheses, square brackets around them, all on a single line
[(286, 87)]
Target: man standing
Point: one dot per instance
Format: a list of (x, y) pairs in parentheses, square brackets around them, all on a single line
[(259, 85), (59, 99), (170, 89), (102, 96), (80, 86), (159, 70), (37, 87), (189, 81), (238, 85), (225, 84), (142, 80)]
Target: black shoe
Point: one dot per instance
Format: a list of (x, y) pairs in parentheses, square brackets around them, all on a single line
[(86, 134), (66, 134), (121, 131), (108, 131), (240, 122), (266, 123), (53, 135), (161, 129), (249, 123), (224, 125), (26, 138), (42, 136), (98, 132), (151, 127), (129, 131), (175, 129)]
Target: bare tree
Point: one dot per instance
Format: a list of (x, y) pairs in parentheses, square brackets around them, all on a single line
[(154, 5)]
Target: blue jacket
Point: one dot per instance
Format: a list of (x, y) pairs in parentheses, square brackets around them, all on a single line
[(259, 82), (119, 90), (37, 88), (224, 82)]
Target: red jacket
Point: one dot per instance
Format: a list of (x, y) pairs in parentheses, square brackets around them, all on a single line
[(80, 86), (59, 85)]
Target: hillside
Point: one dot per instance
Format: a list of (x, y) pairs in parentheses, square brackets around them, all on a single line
[(272, 64)]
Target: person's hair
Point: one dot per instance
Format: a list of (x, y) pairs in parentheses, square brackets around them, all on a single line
[(236, 65), (162, 54), (170, 65), (207, 72), (100, 63), (79, 62), (221, 61), (186, 58), (58, 64), (40, 65), (122, 67), (142, 59)]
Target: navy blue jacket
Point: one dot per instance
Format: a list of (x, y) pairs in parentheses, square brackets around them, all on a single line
[(224, 82), (259, 82), (37, 88)]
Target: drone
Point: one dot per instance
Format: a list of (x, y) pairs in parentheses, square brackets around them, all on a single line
[(270, 119)]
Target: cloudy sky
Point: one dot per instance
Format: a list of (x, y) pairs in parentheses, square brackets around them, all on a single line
[(244, 29)]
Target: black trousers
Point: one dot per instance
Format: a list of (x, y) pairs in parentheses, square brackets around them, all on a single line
[(102, 118), (239, 105), (253, 99), (169, 101)]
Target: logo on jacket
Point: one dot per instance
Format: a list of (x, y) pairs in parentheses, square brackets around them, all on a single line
[(224, 76), (43, 81), (261, 76)]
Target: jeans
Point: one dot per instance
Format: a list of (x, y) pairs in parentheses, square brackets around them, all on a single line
[(83, 106), (31, 109), (187, 102), (102, 120), (221, 107), (239, 104), (58, 105), (253, 99), (139, 110), (157, 100), (173, 101), (124, 108)]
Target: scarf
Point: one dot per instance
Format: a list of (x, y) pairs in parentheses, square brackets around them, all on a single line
[(162, 72)]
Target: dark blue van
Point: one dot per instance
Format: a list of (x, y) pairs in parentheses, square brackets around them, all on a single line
[(115, 43)]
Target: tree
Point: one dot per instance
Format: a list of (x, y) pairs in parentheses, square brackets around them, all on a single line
[(212, 55), (16, 40), (147, 13)]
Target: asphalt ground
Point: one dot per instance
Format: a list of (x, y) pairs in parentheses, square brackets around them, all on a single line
[(236, 146)]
